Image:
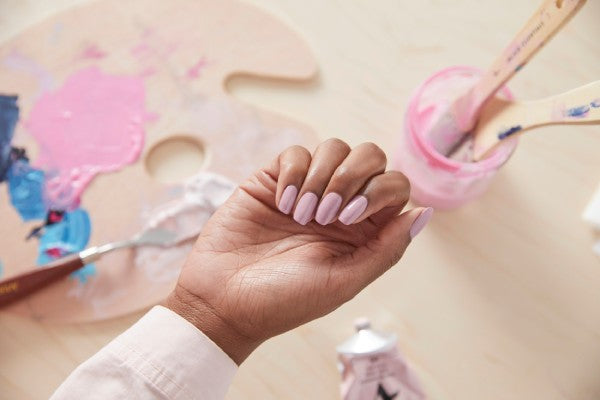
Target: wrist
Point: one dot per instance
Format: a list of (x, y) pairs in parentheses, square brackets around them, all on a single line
[(204, 317)]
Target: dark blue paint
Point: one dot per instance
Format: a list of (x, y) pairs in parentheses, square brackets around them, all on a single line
[(595, 103), (504, 134), (577, 112), (9, 115)]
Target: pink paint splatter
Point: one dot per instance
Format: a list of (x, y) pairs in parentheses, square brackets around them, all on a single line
[(94, 123), (92, 52), (196, 69)]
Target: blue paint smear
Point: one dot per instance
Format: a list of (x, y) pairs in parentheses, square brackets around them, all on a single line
[(580, 111), (26, 190), (9, 115), (68, 236), (595, 103), (509, 131)]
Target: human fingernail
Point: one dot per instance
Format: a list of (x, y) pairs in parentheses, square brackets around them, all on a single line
[(353, 210), (305, 208), (328, 208), (420, 222), (288, 197)]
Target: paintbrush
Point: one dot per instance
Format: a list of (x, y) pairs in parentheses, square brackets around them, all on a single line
[(26, 283), (501, 119), (459, 119)]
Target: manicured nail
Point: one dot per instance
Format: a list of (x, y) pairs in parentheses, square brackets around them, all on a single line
[(328, 208), (353, 210), (420, 222), (288, 197), (305, 208)]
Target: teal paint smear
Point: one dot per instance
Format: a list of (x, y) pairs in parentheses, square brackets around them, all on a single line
[(26, 190), (68, 236)]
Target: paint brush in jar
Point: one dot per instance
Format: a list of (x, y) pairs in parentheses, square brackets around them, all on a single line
[(452, 129), (26, 283), (501, 119)]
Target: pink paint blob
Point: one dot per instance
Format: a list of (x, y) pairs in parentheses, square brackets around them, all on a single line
[(196, 69), (438, 181), (92, 52), (94, 123)]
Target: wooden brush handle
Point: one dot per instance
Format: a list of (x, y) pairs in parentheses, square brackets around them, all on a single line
[(547, 20), (17, 287), (580, 105)]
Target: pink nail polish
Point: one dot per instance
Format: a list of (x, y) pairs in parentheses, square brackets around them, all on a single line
[(305, 208), (420, 222), (328, 208), (353, 210), (288, 197)]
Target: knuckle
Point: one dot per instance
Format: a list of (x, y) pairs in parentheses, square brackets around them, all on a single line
[(296, 149), (374, 152), (345, 174), (335, 143), (401, 179), (292, 169), (402, 186)]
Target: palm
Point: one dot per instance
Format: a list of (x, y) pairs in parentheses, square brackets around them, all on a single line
[(250, 260)]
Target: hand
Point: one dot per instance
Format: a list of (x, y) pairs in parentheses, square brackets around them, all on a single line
[(255, 272)]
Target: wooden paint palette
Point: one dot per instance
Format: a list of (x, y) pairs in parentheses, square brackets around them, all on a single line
[(184, 51)]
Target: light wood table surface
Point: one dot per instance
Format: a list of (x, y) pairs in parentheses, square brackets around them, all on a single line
[(497, 300)]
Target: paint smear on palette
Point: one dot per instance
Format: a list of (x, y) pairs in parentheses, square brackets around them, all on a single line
[(194, 71), (92, 52), (60, 233), (18, 62), (26, 189), (186, 216), (9, 115), (94, 123)]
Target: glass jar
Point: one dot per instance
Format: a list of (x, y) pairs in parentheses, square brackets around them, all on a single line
[(438, 181)]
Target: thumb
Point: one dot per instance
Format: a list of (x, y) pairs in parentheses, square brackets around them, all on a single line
[(383, 251)]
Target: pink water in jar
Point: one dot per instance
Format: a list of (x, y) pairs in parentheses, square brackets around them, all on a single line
[(438, 181)]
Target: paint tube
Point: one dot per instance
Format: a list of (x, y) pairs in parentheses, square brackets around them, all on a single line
[(372, 367)]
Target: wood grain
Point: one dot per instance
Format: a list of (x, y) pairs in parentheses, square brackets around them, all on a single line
[(497, 300)]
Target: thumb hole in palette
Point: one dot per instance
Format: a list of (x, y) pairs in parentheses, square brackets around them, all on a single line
[(174, 159)]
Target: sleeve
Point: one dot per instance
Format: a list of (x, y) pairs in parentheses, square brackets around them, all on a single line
[(162, 356)]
